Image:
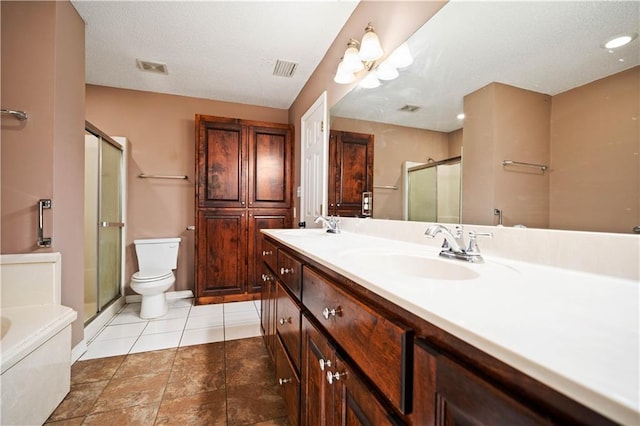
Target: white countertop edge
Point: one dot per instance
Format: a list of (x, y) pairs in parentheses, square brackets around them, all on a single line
[(621, 411)]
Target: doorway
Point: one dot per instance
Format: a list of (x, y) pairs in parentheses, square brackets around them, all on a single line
[(103, 222)]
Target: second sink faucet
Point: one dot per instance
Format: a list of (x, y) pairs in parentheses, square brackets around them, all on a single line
[(331, 224), (453, 246)]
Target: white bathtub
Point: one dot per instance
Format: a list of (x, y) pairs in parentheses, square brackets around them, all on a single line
[(36, 338)]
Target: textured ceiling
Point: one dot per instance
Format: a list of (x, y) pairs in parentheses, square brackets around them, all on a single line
[(222, 50), (547, 47)]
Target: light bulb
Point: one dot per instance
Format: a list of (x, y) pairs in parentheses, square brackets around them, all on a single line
[(370, 48), (343, 75), (351, 59), (386, 71)]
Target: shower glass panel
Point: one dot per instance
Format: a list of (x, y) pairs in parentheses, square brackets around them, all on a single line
[(434, 192), (91, 161), (109, 224), (422, 195)]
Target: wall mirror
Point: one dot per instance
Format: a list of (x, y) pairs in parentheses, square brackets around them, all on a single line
[(536, 86)]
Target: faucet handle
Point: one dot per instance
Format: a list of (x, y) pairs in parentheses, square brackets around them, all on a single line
[(473, 245)]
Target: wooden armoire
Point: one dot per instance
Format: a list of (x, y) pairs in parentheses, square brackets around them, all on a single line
[(243, 184), (350, 171)]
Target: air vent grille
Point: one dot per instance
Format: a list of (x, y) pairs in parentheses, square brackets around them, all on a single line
[(409, 108), (285, 68), (156, 67)]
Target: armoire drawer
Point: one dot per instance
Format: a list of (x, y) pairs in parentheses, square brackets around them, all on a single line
[(289, 271), (288, 324), (381, 347)]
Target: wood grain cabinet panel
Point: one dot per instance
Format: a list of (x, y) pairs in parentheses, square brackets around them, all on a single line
[(242, 165), (379, 346), (288, 324), (268, 308), (289, 271), (350, 171), (289, 382)]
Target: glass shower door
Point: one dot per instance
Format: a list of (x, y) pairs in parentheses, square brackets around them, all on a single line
[(110, 224)]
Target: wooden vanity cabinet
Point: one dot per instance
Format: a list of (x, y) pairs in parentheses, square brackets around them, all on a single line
[(268, 299), (288, 324), (381, 347), (333, 393)]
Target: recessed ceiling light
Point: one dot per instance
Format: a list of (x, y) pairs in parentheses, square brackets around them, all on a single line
[(619, 41), (460, 116)]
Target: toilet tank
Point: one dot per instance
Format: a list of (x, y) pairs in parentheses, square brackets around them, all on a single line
[(157, 254)]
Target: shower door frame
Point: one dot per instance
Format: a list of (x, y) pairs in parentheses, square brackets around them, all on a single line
[(119, 143)]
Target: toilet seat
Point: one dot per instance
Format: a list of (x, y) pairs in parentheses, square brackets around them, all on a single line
[(148, 276)]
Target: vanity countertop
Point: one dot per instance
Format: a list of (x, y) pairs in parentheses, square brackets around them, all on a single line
[(576, 332)]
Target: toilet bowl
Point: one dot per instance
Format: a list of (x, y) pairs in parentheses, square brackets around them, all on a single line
[(157, 258)]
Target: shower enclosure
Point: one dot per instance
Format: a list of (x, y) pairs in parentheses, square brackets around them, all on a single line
[(104, 221)]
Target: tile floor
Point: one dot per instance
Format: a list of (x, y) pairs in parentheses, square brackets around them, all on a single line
[(184, 325), (201, 365)]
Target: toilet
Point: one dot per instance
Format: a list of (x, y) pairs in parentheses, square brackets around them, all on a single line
[(157, 258)]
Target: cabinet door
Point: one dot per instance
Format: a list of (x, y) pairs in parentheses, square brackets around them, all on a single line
[(318, 359), (351, 168), (221, 252), (262, 219), (270, 158), (267, 308), (221, 163), (354, 403), (462, 398)]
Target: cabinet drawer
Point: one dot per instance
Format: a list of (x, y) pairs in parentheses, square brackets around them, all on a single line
[(288, 324), (289, 271), (289, 383), (269, 254), (379, 346)]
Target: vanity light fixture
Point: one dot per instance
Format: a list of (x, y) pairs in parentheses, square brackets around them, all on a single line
[(619, 41), (357, 59)]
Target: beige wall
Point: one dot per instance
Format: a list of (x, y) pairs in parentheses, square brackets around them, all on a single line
[(595, 146), (160, 131), (394, 21), (43, 74), (393, 145), (505, 123)]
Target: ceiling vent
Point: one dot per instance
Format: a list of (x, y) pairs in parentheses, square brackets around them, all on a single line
[(409, 108), (156, 67), (285, 68)]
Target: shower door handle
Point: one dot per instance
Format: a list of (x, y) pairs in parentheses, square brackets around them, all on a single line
[(42, 241), (111, 224)]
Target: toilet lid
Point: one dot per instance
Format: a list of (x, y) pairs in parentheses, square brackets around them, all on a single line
[(151, 275)]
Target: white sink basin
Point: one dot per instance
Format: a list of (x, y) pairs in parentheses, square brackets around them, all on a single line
[(417, 266)]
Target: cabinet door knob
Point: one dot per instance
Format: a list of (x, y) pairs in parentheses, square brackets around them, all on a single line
[(266, 277), (283, 382), (331, 312), (267, 253), (242, 203), (286, 271), (324, 363), (284, 321), (334, 376)]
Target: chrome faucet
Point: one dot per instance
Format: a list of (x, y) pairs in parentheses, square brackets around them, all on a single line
[(331, 224), (453, 244)]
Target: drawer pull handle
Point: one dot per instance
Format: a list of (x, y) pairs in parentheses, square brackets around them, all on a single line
[(284, 321), (284, 381), (286, 271), (333, 312), (267, 253), (334, 376), (324, 363), (266, 277)]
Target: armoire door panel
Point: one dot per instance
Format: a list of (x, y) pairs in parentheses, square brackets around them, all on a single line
[(221, 252), (222, 165), (270, 169)]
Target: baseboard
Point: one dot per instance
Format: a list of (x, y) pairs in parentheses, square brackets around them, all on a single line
[(78, 350), (92, 329), (171, 295)]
